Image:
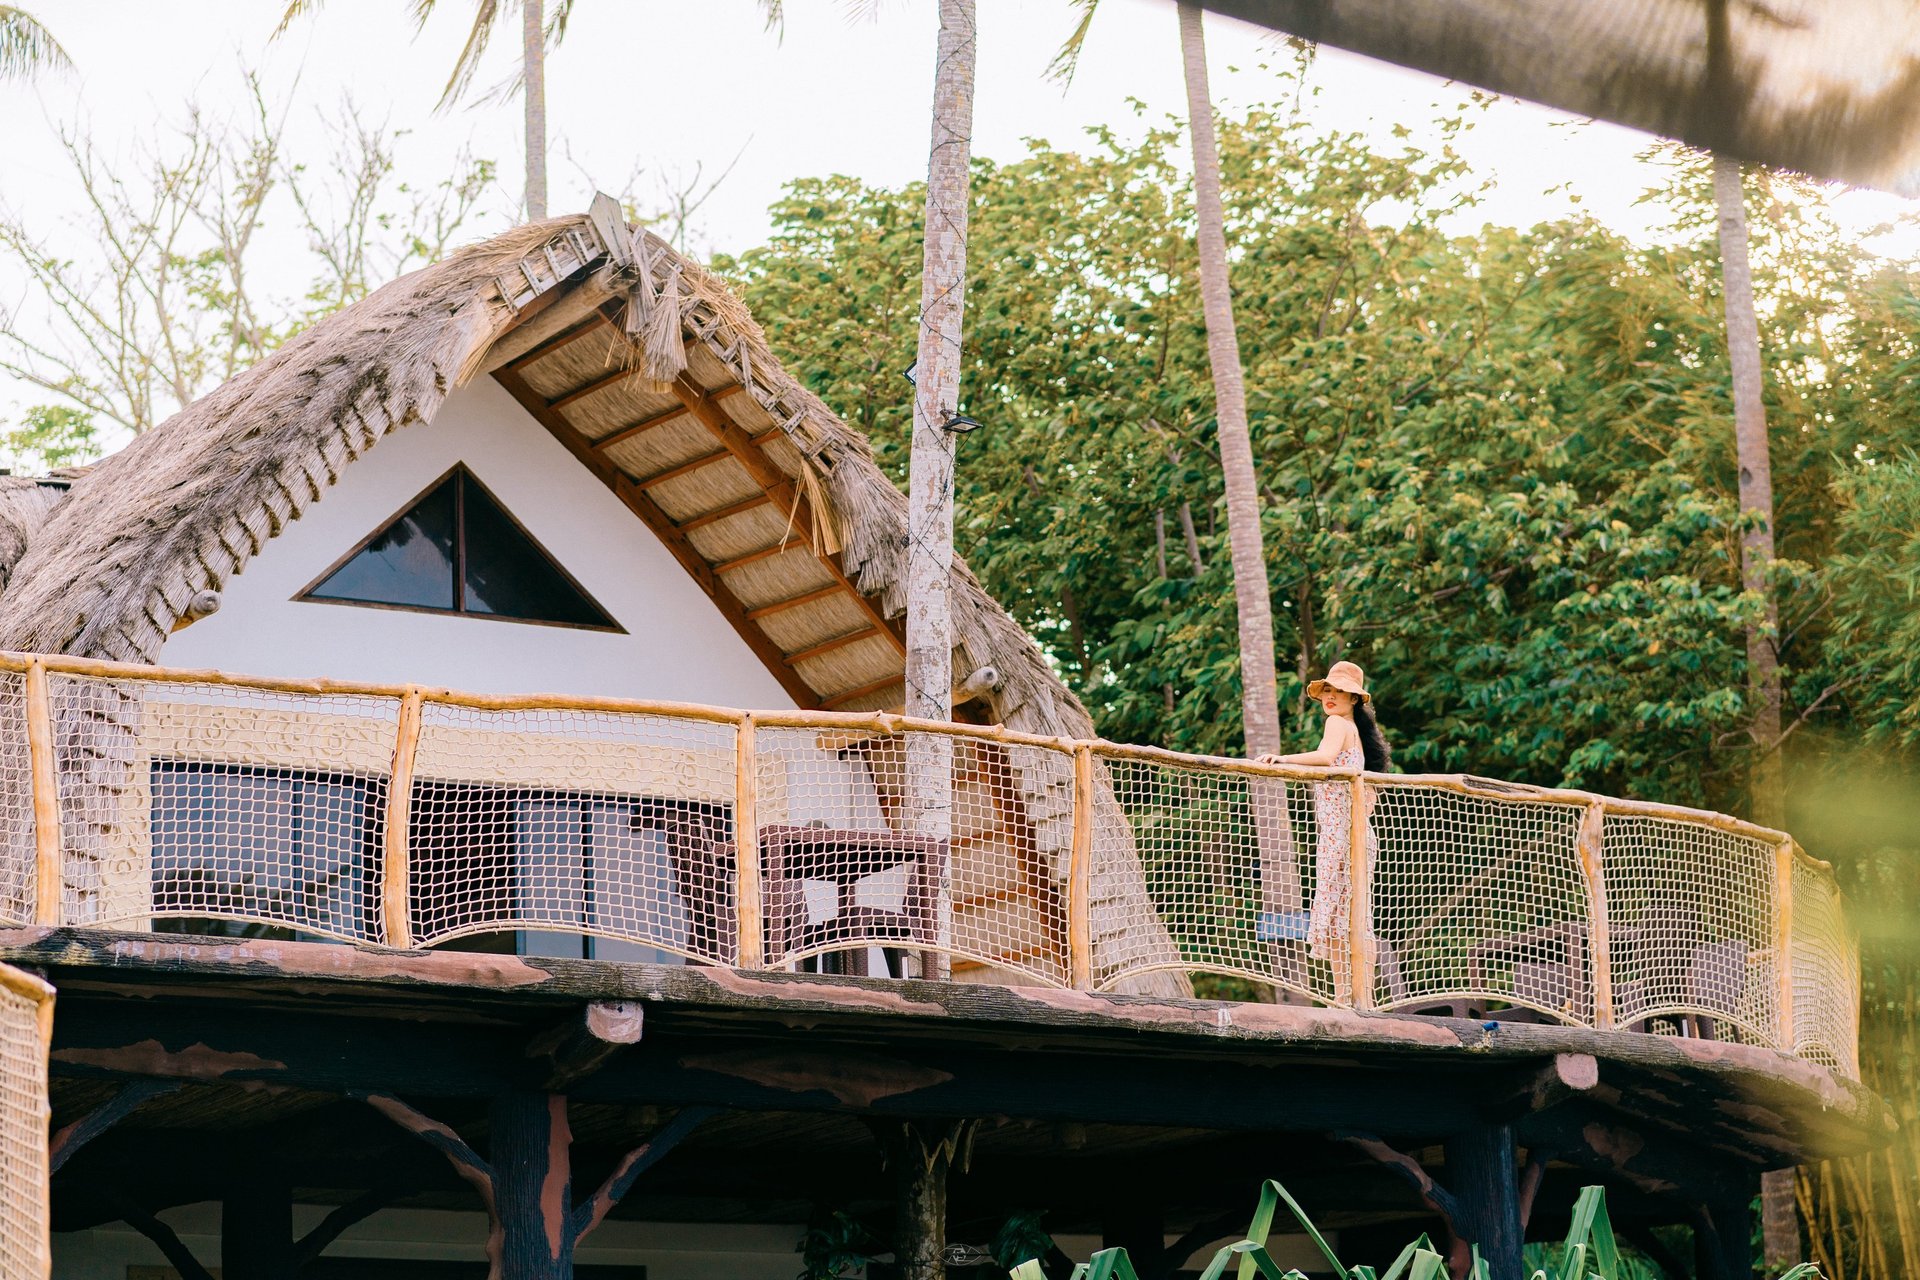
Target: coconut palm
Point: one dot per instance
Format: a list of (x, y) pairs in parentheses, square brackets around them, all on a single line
[(26, 46), (538, 30), (1259, 694)]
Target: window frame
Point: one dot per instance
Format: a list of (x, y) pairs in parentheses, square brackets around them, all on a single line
[(459, 471)]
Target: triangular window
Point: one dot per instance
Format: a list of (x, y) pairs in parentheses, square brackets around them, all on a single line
[(454, 549)]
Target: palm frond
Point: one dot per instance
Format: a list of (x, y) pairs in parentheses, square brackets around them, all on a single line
[(296, 10), (557, 23), (27, 47), (776, 13), (1067, 60), (484, 14)]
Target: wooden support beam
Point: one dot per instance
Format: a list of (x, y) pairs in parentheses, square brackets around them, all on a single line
[(794, 602), (592, 1211), (530, 1146), (1483, 1177), (828, 646), (779, 548), (706, 518), (854, 695), (597, 385), (921, 1155), (1436, 1197), (672, 536), (778, 485), (576, 1048), (336, 1223), (684, 469), (641, 427), (591, 325), (178, 1256), (70, 1138)]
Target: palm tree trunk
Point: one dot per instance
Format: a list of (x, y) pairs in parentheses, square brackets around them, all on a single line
[(1780, 1226), (534, 69), (936, 400), (1259, 696)]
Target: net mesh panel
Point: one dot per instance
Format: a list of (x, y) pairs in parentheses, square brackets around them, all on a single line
[(842, 868), (16, 803), (1228, 865), (1477, 898), (1826, 973), (611, 824), (1691, 914), (24, 1241), (220, 804)]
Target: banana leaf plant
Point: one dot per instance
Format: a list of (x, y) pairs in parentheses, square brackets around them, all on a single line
[(1590, 1252)]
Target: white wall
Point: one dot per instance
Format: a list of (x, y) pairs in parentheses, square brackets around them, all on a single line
[(678, 646)]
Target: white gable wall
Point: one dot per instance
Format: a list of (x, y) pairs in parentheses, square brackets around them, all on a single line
[(678, 647)]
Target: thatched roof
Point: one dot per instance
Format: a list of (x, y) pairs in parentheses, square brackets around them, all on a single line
[(25, 506), (1826, 87), (766, 497)]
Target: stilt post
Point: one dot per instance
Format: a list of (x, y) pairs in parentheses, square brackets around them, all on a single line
[(530, 1152), (1482, 1175)]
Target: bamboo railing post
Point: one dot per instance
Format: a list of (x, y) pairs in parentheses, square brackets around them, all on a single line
[(749, 918), (1783, 854), (1360, 906), (49, 877), (1592, 846), (1080, 874), (396, 893)]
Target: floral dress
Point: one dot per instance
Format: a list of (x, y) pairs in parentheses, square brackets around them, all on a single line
[(1333, 870)]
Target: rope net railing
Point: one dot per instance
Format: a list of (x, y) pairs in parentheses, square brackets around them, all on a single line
[(26, 1026), (406, 817)]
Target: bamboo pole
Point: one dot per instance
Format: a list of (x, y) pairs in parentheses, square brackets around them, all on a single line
[(749, 917), (1592, 846), (397, 882), (1359, 905), (1783, 943), (1080, 875), (49, 879)]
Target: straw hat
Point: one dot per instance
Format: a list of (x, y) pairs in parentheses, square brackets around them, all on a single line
[(1344, 676)]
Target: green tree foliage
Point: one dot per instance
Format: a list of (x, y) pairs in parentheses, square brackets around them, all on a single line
[(1498, 470), (48, 437)]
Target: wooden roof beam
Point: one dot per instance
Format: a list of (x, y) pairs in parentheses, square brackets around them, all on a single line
[(838, 642), (805, 597), (684, 469), (731, 509), (787, 543), (672, 536), (591, 325), (779, 487), (864, 691)]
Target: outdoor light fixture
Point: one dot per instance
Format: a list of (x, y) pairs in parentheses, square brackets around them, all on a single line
[(960, 424), (907, 373)]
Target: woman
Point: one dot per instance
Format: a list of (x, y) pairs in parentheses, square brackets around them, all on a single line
[(1352, 741)]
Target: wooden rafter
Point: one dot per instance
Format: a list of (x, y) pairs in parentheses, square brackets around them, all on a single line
[(674, 537), (592, 324), (838, 642), (633, 429), (851, 695), (778, 486), (684, 469), (706, 518), (780, 548), (794, 602)]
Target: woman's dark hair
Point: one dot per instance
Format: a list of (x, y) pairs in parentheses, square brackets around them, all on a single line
[(1373, 743)]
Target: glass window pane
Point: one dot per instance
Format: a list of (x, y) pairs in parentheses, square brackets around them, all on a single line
[(410, 562), (509, 576)]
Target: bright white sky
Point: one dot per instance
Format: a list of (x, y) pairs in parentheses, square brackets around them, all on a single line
[(663, 86)]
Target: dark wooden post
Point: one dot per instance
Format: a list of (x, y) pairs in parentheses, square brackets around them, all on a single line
[(1723, 1237), (922, 1154), (529, 1150), (1140, 1228), (1485, 1184), (256, 1227)]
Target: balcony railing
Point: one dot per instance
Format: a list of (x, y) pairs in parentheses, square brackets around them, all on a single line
[(411, 817)]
